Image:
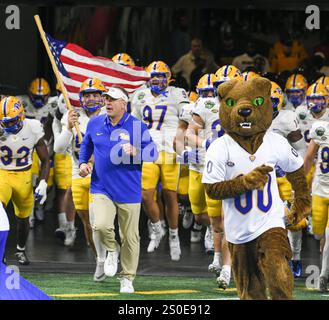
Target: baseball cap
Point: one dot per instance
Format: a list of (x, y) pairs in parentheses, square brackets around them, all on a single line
[(116, 93)]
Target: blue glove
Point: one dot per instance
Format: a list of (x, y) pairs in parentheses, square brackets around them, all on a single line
[(190, 156)]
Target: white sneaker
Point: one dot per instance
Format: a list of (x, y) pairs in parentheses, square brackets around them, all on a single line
[(99, 274), (156, 235), (70, 235), (187, 219), (209, 240), (111, 263), (223, 280), (126, 286), (195, 236), (215, 267), (174, 246)]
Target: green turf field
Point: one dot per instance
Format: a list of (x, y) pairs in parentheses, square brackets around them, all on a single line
[(82, 286)]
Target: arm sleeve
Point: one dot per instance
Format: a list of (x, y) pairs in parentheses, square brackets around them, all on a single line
[(87, 145), (289, 159), (215, 164), (63, 141)]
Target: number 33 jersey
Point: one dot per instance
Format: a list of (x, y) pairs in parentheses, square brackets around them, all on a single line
[(249, 215), (16, 149), (160, 114), (320, 135)]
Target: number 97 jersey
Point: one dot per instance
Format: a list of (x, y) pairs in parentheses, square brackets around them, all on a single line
[(160, 114), (16, 149), (320, 135)]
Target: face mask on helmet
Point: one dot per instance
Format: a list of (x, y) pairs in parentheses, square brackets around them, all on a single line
[(295, 96), (158, 82), (38, 101), (91, 101), (316, 104), (207, 93), (12, 126)]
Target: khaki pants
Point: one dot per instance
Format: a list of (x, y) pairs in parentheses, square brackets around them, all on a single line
[(102, 214)]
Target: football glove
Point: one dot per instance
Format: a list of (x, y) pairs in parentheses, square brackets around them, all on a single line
[(190, 156), (40, 192)]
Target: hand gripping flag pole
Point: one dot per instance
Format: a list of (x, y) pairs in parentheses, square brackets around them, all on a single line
[(55, 69)]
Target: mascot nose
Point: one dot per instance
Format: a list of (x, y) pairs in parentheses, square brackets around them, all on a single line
[(244, 112)]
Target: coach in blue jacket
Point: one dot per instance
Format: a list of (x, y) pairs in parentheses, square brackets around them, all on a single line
[(119, 144)]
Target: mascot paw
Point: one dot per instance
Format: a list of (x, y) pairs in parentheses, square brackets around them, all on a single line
[(257, 178), (295, 215)]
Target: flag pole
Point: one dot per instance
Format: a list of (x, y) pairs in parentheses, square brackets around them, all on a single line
[(55, 69)]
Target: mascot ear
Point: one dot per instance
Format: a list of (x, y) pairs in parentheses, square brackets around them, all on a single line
[(226, 87), (262, 84)]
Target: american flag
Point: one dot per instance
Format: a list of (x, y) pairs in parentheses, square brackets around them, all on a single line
[(76, 64)]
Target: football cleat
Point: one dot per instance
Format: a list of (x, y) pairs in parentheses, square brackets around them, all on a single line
[(70, 235), (175, 251), (209, 241), (60, 234), (156, 235), (22, 258), (188, 218), (215, 267), (323, 282), (224, 279), (296, 268), (195, 236)]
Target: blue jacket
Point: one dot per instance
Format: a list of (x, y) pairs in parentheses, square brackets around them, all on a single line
[(115, 174)]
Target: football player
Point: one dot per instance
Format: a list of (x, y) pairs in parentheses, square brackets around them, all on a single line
[(202, 130), (319, 146), (286, 124), (63, 180), (159, 107), (19, 137), (295, 91), (40, 106), (91, 104)]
